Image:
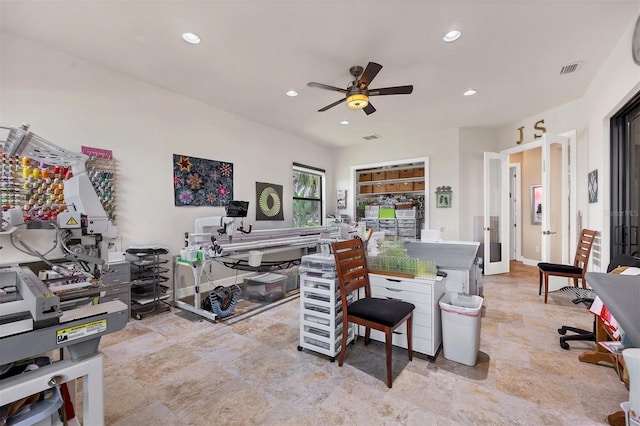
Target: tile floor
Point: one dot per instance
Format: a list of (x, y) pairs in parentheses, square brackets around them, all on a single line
[(174, 369)]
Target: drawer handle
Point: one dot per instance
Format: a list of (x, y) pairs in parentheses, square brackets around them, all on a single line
[(391, 279), (397, 332), (393, 289)]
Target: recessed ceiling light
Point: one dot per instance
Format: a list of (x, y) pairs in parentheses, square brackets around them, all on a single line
[(292, 93), (452, 36), (470, 92), (344, 122), (191, 38)]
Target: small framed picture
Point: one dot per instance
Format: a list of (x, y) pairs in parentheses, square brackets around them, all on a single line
[(536, 204), (443, 199), (592, 186)]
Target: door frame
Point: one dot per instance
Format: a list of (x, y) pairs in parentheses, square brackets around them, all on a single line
[(569, 244)]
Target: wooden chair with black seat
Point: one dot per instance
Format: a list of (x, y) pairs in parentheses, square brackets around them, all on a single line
[(370, 312), (575, 271)]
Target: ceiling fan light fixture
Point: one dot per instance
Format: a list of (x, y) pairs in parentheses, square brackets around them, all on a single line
[(357, 101)]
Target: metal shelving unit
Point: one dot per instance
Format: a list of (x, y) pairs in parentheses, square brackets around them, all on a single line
[(148, 292)]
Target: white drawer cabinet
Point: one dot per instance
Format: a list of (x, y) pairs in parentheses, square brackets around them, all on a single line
[(321, 324), (424, 294)]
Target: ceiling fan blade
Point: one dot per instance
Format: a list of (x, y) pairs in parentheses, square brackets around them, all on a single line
[(369, 109), (338, 102), (369, 74), (326, 86), (398, 90)]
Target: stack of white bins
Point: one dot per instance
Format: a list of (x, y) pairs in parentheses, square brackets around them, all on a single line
[(321, 324)]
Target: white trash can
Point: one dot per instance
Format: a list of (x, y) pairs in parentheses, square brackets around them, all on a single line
[(461, 327)]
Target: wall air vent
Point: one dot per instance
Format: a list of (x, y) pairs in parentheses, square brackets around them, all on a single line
[(569, 68), (371, 137)]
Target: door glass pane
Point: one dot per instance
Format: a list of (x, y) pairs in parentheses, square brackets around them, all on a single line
[(494, 208)]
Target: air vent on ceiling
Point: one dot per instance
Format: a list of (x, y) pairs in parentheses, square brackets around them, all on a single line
[(569, 68), (371, 137)]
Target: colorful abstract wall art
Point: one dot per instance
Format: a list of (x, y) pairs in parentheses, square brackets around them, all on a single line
[(201, 182)]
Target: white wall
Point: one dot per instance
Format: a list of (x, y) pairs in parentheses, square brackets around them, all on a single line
[(442, 148), (72, 102), (473, 143), (615, 83)]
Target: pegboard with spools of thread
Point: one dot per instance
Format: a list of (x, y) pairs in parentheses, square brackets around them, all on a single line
[(38, 188), (101, 169)]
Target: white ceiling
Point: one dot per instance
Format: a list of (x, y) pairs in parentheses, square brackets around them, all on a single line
[(252, 52)]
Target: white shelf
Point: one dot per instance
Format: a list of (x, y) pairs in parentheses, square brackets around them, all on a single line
[(397, 180)]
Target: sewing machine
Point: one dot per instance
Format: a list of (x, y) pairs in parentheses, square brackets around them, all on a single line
[(83, 229), (217, 239), (32, 321)]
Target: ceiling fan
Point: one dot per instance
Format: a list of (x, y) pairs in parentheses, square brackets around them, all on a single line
[(357, 93)]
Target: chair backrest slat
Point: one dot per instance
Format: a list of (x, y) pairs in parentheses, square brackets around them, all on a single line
[(583, 251), (351, 265)]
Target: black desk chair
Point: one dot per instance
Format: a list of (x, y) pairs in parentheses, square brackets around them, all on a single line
[(587, 296)]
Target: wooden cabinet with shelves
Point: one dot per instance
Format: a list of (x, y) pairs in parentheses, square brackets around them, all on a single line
[(389, 179), (393, 183)]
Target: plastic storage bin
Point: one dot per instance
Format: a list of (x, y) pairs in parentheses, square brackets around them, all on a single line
[(266, 287), (461, 327)]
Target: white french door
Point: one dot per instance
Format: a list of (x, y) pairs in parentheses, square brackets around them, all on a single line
[(496, 213), (555, 221), (555, 195)]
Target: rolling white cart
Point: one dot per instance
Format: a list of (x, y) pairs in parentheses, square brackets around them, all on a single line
[(321, 325)]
